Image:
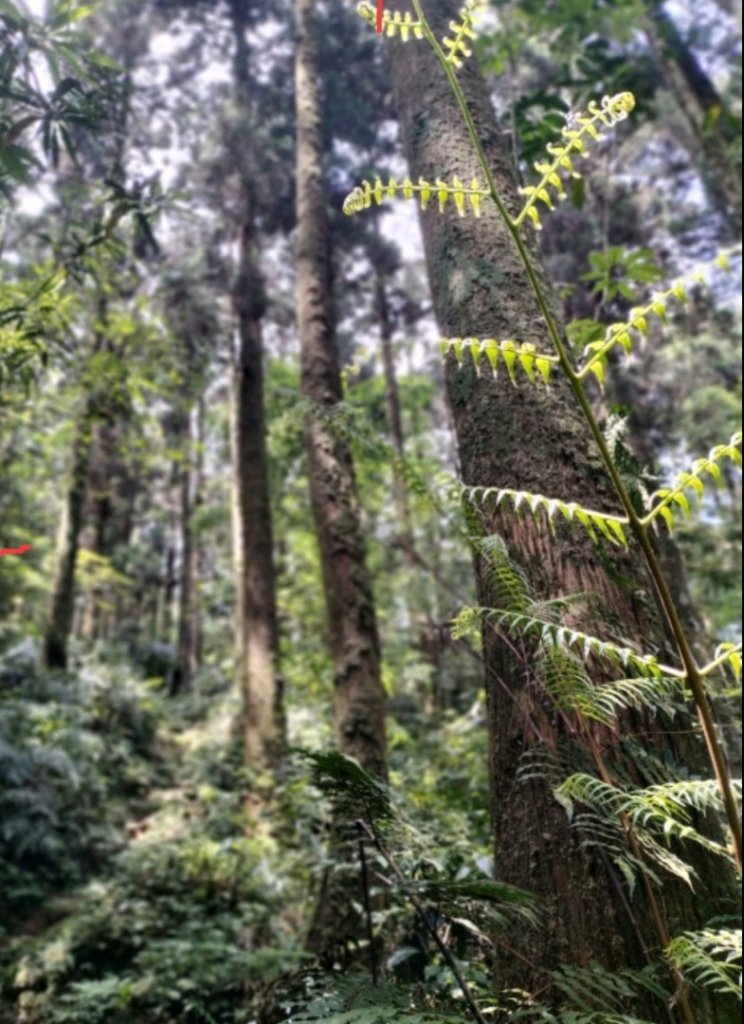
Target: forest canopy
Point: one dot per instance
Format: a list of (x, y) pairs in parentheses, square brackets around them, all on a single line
[(370, 500)]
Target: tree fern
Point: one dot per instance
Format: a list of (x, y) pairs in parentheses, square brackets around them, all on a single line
[(581, 128)]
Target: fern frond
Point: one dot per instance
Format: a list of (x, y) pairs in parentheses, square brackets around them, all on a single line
[(555, 634), (393, 22), (665, 693), (564, 676), (692, 480), (507, 582), (636, 325), (607, 113), (608, 525), (709, 958), (657, 810), (362, 197), (510, 353), (462, 30), (594, 988), (336, 772)]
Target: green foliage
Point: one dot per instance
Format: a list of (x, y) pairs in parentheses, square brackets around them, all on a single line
[(615, 271), (356, 1001), (346, 777), (82, 82), (67, 749)]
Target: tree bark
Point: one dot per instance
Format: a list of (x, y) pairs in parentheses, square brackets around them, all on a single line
[(531, 439), (704, 110), (257, 631), (62, 603), (186, 661), (359, 697), (395, 420), (355, 649)]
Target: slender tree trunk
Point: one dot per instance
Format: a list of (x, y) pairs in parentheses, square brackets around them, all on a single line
[(257, 631), (359, 697), (705, 112), (186, 663), (395, 421), (62, 604), (532, 439)]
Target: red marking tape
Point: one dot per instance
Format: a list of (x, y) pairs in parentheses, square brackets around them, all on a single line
[(379, 15), (15, 551)]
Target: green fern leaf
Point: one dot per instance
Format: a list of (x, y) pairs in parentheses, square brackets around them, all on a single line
[(464, 196), (709, 958), (692, 480), (552, 633), (510, 353), (611, 527)]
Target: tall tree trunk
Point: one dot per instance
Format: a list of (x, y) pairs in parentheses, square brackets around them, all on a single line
[(711, 124), (531, 439), (257, 631), (355, 649), (62, 604), (395, 420), (186, 660), (359, 697)]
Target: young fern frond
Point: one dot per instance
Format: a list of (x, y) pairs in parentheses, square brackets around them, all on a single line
[(457, 47), (394, 24), (607, 113), (666, 497), (710, 958), (510, 353), (361, 197), (608, 525)]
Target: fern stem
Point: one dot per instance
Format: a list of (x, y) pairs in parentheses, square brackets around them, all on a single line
[(637, 526)]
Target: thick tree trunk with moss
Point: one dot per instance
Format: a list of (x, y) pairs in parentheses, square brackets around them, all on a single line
[(359, 697), (257, 631), (533, 439)]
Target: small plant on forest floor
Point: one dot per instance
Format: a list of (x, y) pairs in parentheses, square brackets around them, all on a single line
[(637, 825)]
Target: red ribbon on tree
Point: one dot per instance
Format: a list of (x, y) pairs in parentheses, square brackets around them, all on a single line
[(15, 551), (379, 15)]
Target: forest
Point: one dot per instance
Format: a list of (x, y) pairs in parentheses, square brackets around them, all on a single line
[(370, 511)]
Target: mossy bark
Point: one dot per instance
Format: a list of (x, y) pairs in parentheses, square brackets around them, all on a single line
[(532, 439)]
